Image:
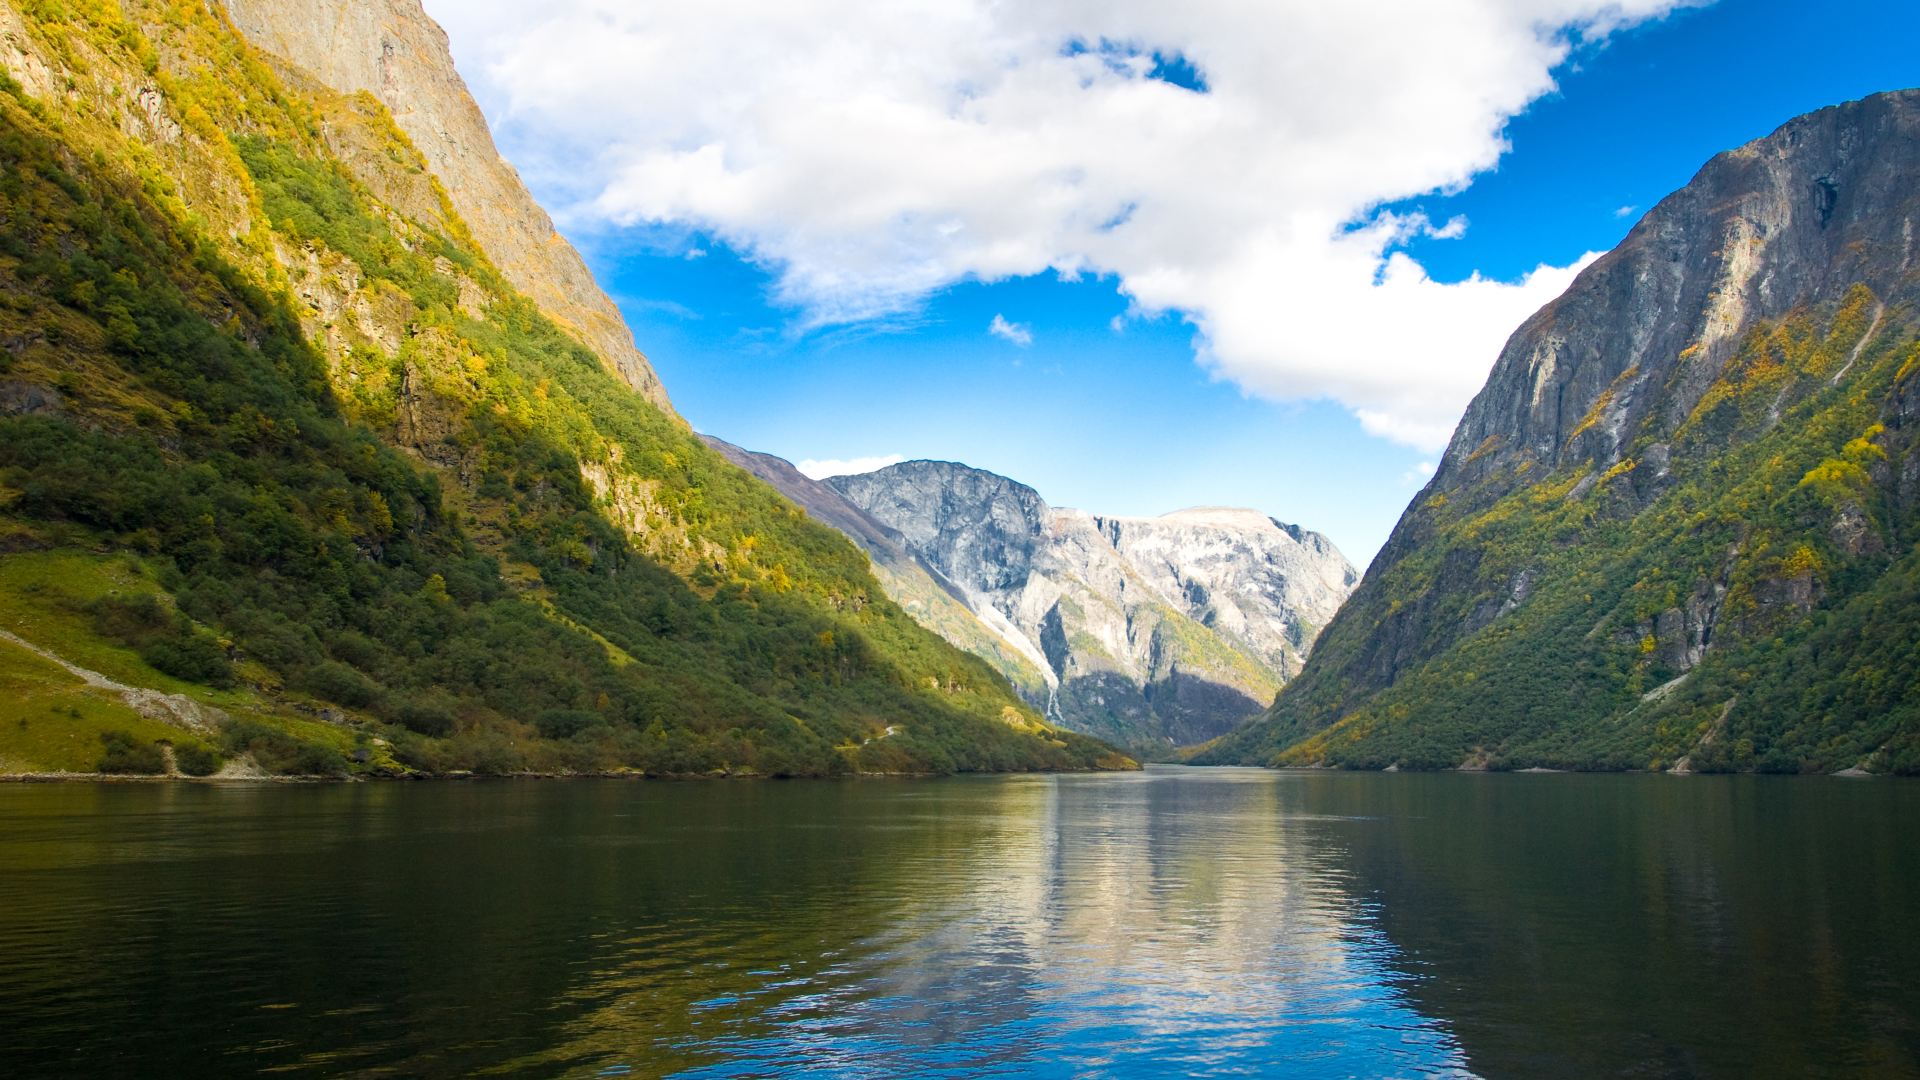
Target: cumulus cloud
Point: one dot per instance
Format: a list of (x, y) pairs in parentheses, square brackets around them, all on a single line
[(867, 154), (820, 469), (1018, 333)]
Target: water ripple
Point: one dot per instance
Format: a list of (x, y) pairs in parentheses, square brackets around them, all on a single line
[(1174, 923)]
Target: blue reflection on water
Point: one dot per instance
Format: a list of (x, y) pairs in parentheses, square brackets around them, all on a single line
[(1176, 923)]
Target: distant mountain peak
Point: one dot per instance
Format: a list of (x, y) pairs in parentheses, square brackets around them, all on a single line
[(1223, 517), (1155, 630)]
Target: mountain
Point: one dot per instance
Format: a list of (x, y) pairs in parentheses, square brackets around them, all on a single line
[(321, 453), (932, 600), (1150, 632), (1676, 528), (391, 50)]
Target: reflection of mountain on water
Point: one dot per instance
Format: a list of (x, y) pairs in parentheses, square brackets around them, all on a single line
[(1175, 921), (1649, 926)]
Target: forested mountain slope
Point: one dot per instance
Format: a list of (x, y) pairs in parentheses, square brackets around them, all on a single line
[(1677, 527), (391, 50), (294, 478)]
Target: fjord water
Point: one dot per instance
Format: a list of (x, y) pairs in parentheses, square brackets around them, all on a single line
[(1174, 922)]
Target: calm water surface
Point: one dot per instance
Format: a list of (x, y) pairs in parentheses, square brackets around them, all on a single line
[(1176, 922)]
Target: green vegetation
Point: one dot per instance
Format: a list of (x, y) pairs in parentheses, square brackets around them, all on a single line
[(442, 526), (1549, 623), (51, 720), (169, 641), (48, 724), (937, 610), (1180, 642), (124, 752)]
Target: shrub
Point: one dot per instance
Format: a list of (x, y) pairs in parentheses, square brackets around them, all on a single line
[(196, 759), (338, 683), (166, 640), (126, 754), (488, 753), (431, 715), (279, 753), (313, 759), (192, 655), (566, 723)]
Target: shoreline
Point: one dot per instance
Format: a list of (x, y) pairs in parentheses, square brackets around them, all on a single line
[(470, 777)]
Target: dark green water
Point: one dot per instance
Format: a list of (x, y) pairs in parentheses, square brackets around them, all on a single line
[(1179, 922)]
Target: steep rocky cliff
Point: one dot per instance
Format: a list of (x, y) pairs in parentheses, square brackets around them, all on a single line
[(393, 51), (1155, 632), (294, 478), (1676, 527)]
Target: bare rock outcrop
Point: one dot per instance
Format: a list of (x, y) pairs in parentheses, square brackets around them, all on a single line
[(1153, 632)]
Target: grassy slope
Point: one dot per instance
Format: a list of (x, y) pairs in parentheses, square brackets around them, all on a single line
[(425, 504), (1813, 666), (52, 720)]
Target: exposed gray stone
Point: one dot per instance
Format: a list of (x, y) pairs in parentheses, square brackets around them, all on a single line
[(1640, 335), (909, 580), (1151, 631), (1795, 218)]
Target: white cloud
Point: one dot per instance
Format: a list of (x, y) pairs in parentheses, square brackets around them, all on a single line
[(1625, 211), (820, 469), (867, 154), (1018, 333)]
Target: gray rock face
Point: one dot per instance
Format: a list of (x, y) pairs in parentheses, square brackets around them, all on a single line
[(910, 581), (394, 51), (1650, 376), (1151, 631), (1796, 218), (822, 503), (1241, 574), (981, 529)]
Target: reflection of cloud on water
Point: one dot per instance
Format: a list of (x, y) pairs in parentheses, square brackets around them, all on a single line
[(1167, 918), (1185, 922)]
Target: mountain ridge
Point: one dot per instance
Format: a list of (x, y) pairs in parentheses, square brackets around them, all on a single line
[(911, 581), (1684, 478), (280, 439), (392, 50), (1155, 631)]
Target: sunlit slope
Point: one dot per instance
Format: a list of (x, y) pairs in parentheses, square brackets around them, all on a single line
[(255, 360)]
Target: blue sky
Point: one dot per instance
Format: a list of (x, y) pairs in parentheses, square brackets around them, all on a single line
[(1133, 418)]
